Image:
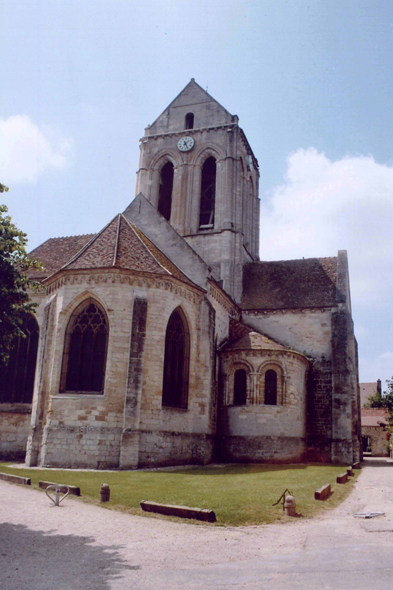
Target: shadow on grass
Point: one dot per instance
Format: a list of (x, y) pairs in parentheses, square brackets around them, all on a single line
[(41, 560), (226, 469)]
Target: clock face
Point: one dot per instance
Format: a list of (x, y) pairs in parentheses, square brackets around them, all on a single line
[(185, 144)]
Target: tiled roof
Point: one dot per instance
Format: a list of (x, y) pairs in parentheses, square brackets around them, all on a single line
[(290, 284), (55, 252), (121, 245), (243, 337), (374, 417)]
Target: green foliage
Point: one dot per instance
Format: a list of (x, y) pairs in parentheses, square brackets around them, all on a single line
[(375, 401), (239, 494), (15, 302)]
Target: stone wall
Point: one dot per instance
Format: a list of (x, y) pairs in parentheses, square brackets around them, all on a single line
[(308, 331), (378, 440), (319, 411), (259, 432), (124, 426), (14, 429)]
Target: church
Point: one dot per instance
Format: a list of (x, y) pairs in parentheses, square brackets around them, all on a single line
[(164, 340)]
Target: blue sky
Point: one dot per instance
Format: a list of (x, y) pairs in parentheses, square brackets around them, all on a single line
[(310, 80)]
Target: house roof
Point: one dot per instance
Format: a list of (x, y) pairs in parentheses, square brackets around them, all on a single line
[(367, 390), (290, 284), (374, 417), (118, 245), (55, 252)]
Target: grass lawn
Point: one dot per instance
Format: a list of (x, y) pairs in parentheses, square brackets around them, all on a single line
[(239, 494)]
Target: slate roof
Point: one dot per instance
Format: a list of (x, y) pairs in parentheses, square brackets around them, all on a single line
[(290, 284), (367, 390), (56, 252), (119, 245), (374, 417)]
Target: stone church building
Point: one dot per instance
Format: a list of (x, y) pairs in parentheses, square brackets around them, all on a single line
[(164, 340)]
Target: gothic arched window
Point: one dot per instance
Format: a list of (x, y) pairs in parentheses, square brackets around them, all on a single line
[(208, 194), (189, 121), (85, 350), (17, 378), (240, 388), (165, 193), (270, 388), (176, 362)]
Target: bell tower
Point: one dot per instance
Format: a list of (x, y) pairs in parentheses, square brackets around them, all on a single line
[(198, 170)]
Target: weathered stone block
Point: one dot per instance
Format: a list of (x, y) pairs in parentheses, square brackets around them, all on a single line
[(181, 511), (323, 492)]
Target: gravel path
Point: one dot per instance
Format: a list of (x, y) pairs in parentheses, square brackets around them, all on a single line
[(81, 546)]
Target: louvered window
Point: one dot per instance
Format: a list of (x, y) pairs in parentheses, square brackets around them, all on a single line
[(165, 193), (208, 194)]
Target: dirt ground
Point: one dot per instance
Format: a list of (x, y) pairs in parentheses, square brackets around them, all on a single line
[(81, 546)]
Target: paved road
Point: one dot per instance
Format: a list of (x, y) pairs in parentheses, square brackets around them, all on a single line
[(80, 546)]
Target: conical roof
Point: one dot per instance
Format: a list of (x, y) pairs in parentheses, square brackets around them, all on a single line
[(123, 246)]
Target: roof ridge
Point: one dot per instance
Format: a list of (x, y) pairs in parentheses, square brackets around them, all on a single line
[(144, 245), (86, 246), (293, 260), (117, 240)]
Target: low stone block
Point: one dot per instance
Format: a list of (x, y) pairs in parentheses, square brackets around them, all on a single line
[(74, 491), (350, 471), (342, 478), (323, 492), (181, 511), (24, 481), (356, 466)]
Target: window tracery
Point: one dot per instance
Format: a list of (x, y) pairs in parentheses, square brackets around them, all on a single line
[(85, 350)]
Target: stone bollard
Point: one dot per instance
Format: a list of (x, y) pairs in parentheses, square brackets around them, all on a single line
[(105, 493), (290, 506)]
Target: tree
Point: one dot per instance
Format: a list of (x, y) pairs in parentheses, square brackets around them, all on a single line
[(375, 401), (15, 302), (388, 400)]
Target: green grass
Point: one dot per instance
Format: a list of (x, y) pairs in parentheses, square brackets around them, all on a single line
[(239, 494)]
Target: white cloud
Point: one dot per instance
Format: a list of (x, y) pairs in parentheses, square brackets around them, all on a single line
[(27, 151), (325, 206)]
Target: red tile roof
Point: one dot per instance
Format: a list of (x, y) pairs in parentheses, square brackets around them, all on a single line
[(118, 245), (374, 417), (55, 252)]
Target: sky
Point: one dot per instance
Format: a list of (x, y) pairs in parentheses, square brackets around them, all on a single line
[(311, 82)]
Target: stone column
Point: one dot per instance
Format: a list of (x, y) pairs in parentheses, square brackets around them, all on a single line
[(34, 440), (129, 451)]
